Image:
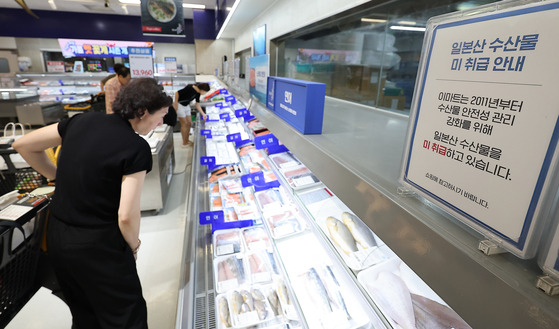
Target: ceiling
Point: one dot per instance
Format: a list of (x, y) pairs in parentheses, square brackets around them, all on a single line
[(246, 11)]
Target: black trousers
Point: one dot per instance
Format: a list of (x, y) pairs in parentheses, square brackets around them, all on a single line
[(97, 274)]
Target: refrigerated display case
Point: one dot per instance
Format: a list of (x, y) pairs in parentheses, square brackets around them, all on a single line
[(430, 261)]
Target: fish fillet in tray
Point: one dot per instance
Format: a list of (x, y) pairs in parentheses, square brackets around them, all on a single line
[(229, 273), (256, 238), (354, 241), (405, 300), (226, 242), (284, 222), (272, 199), (299, 177)]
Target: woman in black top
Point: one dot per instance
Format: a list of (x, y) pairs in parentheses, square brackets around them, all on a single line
[(183, 98), (92, 237)]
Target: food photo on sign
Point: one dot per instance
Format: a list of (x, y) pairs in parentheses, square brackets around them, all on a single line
[(162, 17)]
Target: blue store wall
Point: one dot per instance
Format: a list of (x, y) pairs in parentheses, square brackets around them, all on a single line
[(55, 24)]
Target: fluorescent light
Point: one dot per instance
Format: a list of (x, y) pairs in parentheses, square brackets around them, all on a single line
[(373, 20), (52, 4), (11, 89), (125, 9), (193, 6), (235, 5), (130, 2), (228, 8), (407, 22), (407, 28)]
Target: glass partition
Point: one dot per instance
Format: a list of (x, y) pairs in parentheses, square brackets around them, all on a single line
[(369, 55)]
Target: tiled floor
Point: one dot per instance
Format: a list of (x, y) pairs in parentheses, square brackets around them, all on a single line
[(159, 262)]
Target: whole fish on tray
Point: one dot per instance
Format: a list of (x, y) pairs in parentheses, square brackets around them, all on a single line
[(223, 309), (341, 235), (361, 232), (334, 290), (317, 291)]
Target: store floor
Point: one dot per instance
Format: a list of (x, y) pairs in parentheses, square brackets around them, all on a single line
[(159, 262)]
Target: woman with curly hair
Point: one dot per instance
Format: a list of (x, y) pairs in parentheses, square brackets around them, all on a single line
[(93, 230)]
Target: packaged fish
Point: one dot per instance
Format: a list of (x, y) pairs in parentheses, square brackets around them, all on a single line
[(223, 311), (246, 149), (227, 242), (284, 160), (217, 174), (300, 177), (286, 306), (232, 199), (229, 215), (229, 273), (233, 185), (258, 267), (323, 301), (216, 203), (284, 223), (269, 199), (245, 212), (354, 240), (214, 188), (248, 307), (256, 238)]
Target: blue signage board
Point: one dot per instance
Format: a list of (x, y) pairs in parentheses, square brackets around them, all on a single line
[(270, 94), (300, 103)]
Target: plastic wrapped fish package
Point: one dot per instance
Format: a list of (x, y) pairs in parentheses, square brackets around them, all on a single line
[(354, 241), (299, 177), (243, 307), (232, 185), (406, 300), (229, 272), (324, 302), (223, 152), (284, 160), (222, 172), (226, 242), (271, 199), (258, 266), (256, 238), (285, 222), (236, 127)]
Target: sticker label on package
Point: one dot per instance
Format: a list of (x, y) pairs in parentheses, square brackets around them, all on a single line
[(225, 249), (305, 180), (228, 285), (246, 319), (262, 277)]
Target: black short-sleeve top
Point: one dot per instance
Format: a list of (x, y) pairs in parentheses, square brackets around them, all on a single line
[(187, 94), (97, 151)]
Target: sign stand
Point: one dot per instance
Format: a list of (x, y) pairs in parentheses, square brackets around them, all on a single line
[(549, 285)]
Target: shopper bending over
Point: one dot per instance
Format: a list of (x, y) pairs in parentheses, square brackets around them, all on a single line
[(113, 86), (183, 98), (93, 230)]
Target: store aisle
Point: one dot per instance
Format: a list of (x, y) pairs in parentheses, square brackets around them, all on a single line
[(159, 262)]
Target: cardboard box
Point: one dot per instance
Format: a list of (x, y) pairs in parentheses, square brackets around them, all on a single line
[(393, 102)]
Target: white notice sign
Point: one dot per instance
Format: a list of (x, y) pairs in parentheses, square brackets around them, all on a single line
[(484, 130)]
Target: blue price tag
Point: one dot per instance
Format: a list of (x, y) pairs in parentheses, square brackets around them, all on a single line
[(230, 98), (265, 141), (207, 161), (241, 113), (225, 116), (206, 132), (210, 217), (234, 137), (223, 91), (256, 179), (219, 105)]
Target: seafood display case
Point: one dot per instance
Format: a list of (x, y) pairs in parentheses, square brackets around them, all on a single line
[(431, 261), (282, 250)]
